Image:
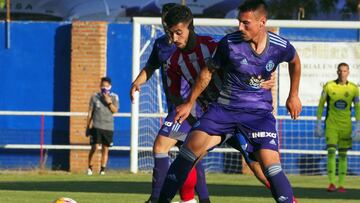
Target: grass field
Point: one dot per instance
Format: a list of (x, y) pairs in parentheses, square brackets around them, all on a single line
[(122, 187)]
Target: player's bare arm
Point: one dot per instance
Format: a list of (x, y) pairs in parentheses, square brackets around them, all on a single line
[(89, 121), (143, 76), (293, 103), (202, 81)]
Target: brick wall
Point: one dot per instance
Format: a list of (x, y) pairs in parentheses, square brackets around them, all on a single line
[(88, 65)]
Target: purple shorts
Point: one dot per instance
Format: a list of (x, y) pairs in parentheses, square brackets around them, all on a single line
[(173, 129), (258, 126)]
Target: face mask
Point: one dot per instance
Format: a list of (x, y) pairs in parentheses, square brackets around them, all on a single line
[(106, 90)]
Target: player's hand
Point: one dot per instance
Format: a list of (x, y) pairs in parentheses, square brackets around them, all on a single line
[(87, 132), (268, 84), (319, 132), (134, 88), (293, 105), (107, 98), (356, 133), (183, 111)]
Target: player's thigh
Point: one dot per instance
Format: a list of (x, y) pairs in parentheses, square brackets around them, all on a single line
[(107, 138), (170, 133), (267, 157), (199, 142), (331, 137), (261, 132), (163, 144), (345, 140), (95, 137)]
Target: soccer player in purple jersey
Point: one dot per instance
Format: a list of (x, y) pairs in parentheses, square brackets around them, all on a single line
[(166, 139), (246, 57)]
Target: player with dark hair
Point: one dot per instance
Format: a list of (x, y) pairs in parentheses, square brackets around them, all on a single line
[(338, 94), (245, 58), (168, 137)]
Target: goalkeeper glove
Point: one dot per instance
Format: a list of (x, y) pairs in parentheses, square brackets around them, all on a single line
[(319, 132), (356, 133)]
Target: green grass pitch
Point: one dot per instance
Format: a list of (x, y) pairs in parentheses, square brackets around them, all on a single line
[(122, 187)]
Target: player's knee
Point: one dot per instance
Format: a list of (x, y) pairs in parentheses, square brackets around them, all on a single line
[(331, 150), (94, 148), (159, 148), (273, 170), (342, 154), (187, 154)]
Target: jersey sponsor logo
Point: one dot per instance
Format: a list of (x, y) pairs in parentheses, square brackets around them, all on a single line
[(340, 104), (255, 82), (263, 134), (270, 66), (244, 62)]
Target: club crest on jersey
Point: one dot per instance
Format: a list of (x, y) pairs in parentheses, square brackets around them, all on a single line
[(270, 66), (244, 62)]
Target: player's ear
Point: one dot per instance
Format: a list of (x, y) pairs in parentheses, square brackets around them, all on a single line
[(262, 21)]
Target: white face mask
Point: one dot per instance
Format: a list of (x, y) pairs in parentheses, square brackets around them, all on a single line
[(105, 90)]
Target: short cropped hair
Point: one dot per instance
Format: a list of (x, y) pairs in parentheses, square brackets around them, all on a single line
[(106, 79), (253, 5), (179, 14), (343, 64)]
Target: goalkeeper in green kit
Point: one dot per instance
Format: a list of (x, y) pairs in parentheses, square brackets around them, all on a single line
[(339, 95)]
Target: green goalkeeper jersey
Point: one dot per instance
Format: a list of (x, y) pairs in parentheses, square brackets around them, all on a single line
[(339, 98)]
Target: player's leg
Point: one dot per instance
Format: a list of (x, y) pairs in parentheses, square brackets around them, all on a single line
[(331, 144), (264, 141), (169, 134), (187, 192), (239, 142), (161, 148), (204, 135), (95, 141), (104, 158), (193, 150), (106, 141), (92, 151), (279, 184), (259, 174), (345, 143), (201, 188)]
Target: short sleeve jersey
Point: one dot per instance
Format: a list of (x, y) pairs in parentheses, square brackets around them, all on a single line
[(102, 116), (244, 70), (183, 67)]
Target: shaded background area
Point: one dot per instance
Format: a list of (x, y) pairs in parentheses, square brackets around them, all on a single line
[(122, 10)]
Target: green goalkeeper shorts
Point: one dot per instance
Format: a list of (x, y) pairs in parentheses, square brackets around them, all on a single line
[(340, 138)]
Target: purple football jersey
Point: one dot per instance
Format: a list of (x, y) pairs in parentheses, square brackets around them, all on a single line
[(244, 70)]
